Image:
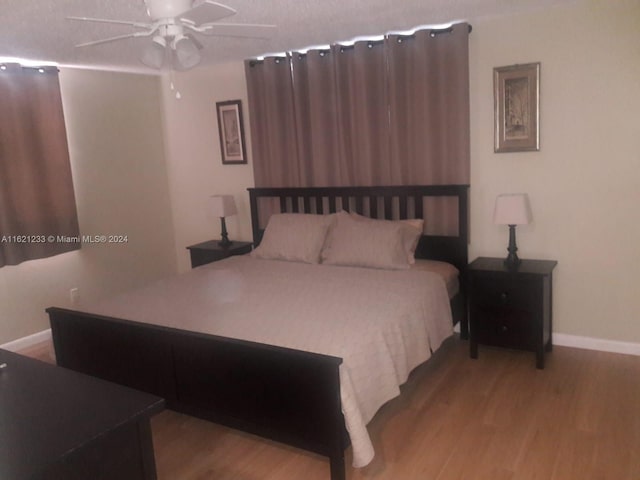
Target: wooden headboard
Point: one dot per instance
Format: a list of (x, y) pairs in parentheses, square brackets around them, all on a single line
[(393, 202)]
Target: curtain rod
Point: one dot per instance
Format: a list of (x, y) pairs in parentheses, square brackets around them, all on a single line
[(437, 31), (14, 66), (433, 32)]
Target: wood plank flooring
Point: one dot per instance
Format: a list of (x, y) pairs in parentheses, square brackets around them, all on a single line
[(495, 418)]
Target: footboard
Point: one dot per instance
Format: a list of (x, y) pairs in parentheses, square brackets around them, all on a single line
[(283, 394)]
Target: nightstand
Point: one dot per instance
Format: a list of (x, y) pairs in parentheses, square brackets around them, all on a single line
[(211, 251), (511, 308)]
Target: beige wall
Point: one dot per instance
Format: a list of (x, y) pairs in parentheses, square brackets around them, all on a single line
[(584, 184), (193, 155), (115, 142)]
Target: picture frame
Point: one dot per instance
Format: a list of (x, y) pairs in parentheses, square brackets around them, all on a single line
[(517, 108), (231, 131)]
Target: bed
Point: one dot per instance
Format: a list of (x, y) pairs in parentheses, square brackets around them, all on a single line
[(257, 382)]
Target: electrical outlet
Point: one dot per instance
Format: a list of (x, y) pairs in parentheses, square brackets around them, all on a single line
[(74, 296)]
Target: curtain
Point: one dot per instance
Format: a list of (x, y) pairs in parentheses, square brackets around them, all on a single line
[(390, 112), (273, 130), (37, 203), (429, 106), (429, 116), (318, 132), (363, 113)]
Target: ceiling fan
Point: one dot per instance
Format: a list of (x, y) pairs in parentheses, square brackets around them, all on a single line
[(172, 29)]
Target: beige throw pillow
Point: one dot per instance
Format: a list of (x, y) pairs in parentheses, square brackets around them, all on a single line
[(296, 237), (367, 243)]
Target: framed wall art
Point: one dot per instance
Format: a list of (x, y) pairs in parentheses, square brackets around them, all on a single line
[(517, 108), (231, 130)]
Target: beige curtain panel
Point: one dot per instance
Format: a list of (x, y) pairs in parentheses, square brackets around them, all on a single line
[(271, 110), (428, 81), (37, 203), (389, 112)]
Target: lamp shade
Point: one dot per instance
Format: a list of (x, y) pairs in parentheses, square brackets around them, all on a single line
[(223, 205), (512, 209)]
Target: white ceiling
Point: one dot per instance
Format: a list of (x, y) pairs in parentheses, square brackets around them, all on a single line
[(39, 30)]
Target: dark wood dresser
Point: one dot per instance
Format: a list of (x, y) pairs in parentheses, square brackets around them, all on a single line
[(511, 308), (56, 424)]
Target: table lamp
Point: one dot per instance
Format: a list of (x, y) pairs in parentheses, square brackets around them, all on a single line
[(223, 206), (512, 209)]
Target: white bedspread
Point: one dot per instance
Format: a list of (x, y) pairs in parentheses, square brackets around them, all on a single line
[(382, 323)]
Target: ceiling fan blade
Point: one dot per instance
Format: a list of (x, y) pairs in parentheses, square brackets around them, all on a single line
[(207, 11), (238, 30), (117, 22), (114, 39)]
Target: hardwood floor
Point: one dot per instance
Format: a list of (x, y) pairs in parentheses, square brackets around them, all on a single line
[(496, 418)]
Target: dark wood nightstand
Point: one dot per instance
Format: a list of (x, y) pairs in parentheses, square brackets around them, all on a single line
[(511, 308), (211, 251)]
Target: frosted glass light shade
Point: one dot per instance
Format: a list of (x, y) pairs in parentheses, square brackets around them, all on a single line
[(153, 55), (186, 53)]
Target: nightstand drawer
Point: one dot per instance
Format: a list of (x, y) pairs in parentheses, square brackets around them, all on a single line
[(504, 291), (202, 257), (211, 251), (504, 327)]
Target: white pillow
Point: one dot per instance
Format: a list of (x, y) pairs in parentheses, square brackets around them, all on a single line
[(376, 244), (297, 237), (411, 236)]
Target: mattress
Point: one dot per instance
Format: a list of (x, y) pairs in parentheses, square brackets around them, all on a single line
[(382, 323), (449, 274)]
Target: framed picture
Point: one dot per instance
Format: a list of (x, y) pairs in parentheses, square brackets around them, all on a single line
[(516, 91), (231, 132)]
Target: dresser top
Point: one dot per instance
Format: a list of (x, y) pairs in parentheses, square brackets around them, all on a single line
[(47, 412)]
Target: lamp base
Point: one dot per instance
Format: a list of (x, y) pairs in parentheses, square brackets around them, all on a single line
[(512, 261), (225, 242)]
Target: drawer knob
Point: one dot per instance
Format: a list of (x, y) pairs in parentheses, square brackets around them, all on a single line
[(503, 297), (504, 328)]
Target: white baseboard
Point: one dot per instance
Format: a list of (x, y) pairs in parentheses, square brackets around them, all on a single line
[(589, 343), (600, 344), (560, 339), (28, 341)]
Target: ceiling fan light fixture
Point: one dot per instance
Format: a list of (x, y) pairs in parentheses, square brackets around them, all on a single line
[(172, 28), (186, 54), (154, 54)]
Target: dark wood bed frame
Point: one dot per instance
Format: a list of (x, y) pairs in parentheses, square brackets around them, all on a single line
[(286, 395)]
